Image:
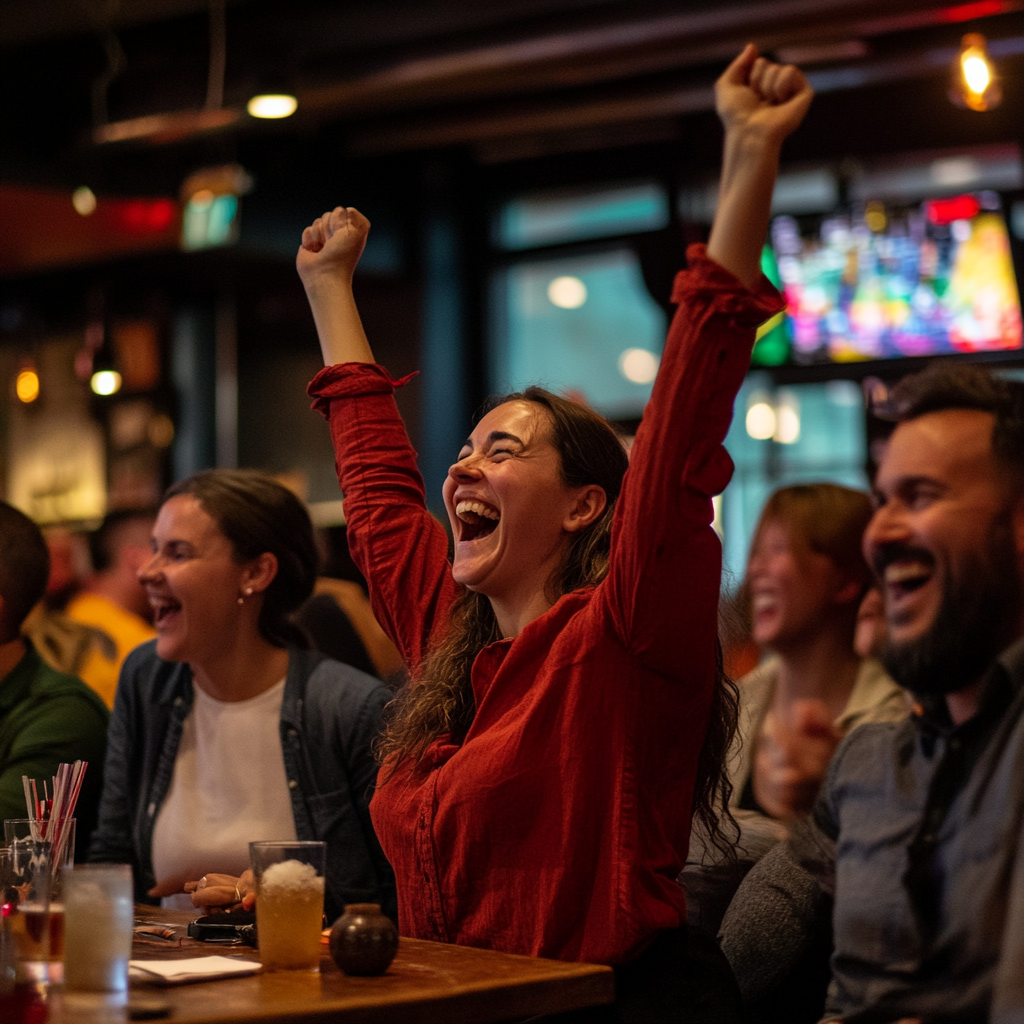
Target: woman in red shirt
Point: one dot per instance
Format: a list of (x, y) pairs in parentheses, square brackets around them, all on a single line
[(568, 716)]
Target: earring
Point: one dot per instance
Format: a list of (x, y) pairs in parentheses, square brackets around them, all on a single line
[(248, 591), (241, 600)]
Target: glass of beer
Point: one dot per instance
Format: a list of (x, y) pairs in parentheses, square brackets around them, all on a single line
[(289, 903), (27, 905), (20, 834)]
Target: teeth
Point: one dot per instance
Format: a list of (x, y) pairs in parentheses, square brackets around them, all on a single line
[(900, 572), (762, 602), (477, 508)]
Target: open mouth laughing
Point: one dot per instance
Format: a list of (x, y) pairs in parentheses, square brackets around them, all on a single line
[(477, 519), (164, 610), (904, 572)]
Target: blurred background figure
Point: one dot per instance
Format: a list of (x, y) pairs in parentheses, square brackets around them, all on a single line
[(111, 599), (806, 578), (339, 619), (805, 587), (62, 643), (46, 717)]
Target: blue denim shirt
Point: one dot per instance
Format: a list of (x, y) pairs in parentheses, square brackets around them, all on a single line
[(917, 831), (330, 716)]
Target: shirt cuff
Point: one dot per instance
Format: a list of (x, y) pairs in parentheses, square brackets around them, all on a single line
[(749, 306), (351, 380)]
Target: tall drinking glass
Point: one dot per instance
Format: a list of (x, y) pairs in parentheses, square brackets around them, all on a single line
[(20, 831), (289, 903), (98, 912), (22, 995), (28, 904)]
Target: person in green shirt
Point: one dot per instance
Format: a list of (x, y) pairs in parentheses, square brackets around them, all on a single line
[(46, 717)]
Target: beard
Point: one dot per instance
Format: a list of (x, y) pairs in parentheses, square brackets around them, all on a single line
[(978, 617)]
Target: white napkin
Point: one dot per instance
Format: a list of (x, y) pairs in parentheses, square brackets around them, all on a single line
[(181, 972)]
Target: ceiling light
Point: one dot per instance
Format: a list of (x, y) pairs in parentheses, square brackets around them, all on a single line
[(83, 200), (272, 105), (974, 78)]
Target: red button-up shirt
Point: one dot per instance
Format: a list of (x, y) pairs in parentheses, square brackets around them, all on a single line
[(558, 827)]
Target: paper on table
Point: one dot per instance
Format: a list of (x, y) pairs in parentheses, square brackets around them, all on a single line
[(182, 972)]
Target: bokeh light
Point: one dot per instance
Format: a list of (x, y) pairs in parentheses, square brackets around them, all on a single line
[(638, 365), (106, 382), (567, 292), (761, 421), (84, 201), (26, 387)]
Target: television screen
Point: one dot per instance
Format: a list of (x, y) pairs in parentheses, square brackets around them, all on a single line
[(883, 282)]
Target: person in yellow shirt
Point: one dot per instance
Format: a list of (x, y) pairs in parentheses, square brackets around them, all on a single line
[(112, 599)]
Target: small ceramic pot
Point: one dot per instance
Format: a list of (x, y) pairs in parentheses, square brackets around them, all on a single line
[(363, 940)]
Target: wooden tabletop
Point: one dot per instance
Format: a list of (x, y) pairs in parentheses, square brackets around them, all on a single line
[(428, 982)]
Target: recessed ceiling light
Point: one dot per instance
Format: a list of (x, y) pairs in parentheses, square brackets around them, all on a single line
[(272, 105)]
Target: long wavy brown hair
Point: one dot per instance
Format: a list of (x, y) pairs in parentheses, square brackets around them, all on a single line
[(439, 702)]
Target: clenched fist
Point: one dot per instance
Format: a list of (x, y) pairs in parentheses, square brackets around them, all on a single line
[(332, 244)]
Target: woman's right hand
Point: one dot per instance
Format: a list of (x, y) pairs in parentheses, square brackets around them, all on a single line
[(332, 244)]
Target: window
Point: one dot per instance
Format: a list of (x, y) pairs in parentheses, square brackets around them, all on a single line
[(582, 324), (549, 218), (779, 436)]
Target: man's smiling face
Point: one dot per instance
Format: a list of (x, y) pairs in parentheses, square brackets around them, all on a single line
[(938, 492), (943, 543)]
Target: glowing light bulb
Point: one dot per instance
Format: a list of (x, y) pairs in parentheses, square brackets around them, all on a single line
[(974, 82), (567, 292), (638, 365), (272, 106), (26, 387), (976, 73), (106, 382), (761, 421), (84, 201)]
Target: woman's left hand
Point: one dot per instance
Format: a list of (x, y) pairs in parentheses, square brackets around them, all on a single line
[(215, 892)]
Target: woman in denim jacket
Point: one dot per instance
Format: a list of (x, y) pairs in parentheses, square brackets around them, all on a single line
[(226, 729)]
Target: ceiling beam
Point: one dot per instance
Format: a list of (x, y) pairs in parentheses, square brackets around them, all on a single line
[(548, 118), (628, 49)]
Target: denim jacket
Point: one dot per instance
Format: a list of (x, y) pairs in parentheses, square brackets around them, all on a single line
[(330, 716)]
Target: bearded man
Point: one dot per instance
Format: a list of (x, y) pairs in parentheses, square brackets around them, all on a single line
[(915, 842)]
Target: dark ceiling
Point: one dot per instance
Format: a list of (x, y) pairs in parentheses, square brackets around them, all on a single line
[(497, 79)]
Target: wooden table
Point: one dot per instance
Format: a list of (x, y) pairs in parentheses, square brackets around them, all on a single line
[(428, 983)]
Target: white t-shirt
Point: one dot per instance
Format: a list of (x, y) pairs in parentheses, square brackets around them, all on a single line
[(229, 788)]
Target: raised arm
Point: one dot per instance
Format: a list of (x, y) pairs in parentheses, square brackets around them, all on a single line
[(326, 260), (759, 103), (399, 547), (662, 587)]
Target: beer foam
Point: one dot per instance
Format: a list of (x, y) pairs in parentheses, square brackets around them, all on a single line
[(291, 874)]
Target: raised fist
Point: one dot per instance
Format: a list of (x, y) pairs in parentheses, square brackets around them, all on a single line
[(332, 244), (757, 95)]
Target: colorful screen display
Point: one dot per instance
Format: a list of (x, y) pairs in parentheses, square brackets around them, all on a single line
[(884, 282)]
